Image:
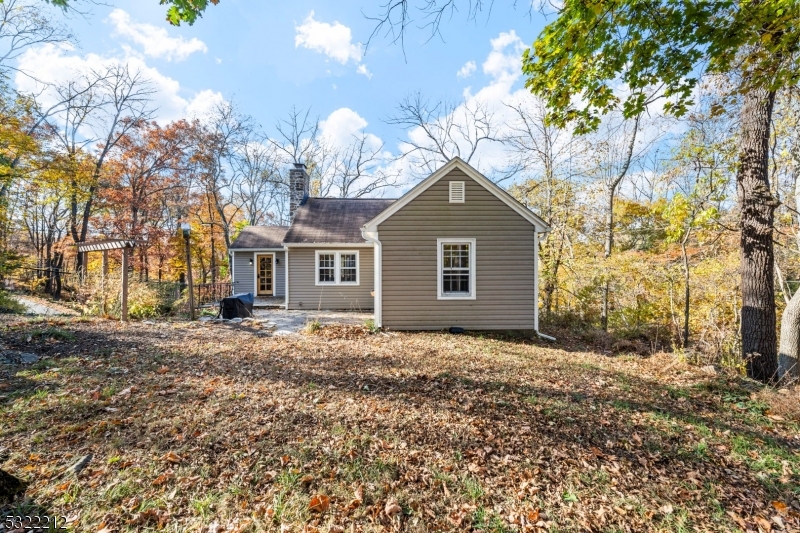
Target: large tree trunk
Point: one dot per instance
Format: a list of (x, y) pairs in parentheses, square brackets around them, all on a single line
[(789, 353), (759, 342)]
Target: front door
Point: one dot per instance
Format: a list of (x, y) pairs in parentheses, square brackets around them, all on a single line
[(264, 275)]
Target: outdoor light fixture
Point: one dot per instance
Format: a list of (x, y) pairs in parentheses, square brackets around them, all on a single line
[(251, 261), (277, 261), (186, 228)]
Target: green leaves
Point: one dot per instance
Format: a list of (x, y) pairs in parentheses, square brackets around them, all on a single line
[(187, 11), (598, 50)]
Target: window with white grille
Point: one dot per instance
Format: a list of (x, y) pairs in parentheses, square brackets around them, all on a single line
[(337, 268), (456, 192), (456, 262)]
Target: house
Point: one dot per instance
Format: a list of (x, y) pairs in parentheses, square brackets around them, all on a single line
[(455, 250)]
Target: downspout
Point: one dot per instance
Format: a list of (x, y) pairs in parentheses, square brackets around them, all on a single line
[(286, 278), (232, 270), (536, 289), (372, 236)]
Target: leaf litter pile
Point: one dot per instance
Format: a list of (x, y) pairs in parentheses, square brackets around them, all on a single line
[(211, 428)]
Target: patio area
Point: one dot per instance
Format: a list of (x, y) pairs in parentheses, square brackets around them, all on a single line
[(293, 321)]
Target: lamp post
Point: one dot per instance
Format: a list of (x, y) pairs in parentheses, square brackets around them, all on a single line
[(186, 228)]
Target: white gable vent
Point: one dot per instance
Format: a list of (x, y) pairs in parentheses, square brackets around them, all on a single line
[(456, 192)]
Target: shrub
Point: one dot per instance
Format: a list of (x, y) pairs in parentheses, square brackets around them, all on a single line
[(9, 304), (313, 326)]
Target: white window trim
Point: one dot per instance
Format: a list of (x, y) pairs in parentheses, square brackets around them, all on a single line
[(463, 192), (472, 270), (337, 254)]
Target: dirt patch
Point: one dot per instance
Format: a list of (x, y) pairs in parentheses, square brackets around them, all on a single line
[(196, 427)]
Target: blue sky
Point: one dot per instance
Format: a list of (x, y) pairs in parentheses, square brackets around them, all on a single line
[(269, 56)]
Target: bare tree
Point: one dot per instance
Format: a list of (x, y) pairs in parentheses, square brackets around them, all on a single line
[(551, 156), (614, 151), (23, 24), (440, 130), (258, 185), (219, 143), (99, 109), (360, 169)]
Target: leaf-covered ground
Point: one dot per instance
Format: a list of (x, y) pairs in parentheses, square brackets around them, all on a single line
[(224, 428)]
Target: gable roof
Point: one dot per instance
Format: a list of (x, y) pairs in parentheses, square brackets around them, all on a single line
[(470, 171), (333, 220), (260, 237)]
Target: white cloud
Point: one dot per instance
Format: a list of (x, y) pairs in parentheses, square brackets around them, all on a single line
[(334, 40), (505, 59), (204, 103), (467, 70), (57, 64), (155, 41), (341, 125), (362, 69)]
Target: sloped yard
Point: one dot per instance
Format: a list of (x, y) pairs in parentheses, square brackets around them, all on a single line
[(213, 427)]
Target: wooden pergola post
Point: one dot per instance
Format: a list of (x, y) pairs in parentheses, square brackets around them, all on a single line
[(103, 281), (124, 299), (104, 246)]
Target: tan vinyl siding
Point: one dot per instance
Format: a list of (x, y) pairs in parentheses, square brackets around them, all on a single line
[(304, 294), (244, 275), (504, 261)]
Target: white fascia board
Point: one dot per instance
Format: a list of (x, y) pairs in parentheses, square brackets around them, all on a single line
[(321, 245), (540, 225), (257, 249)]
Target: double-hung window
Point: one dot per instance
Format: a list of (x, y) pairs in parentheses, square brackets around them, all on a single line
[(337, 268), (456, 269)]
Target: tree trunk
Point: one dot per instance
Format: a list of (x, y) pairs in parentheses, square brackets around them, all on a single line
[(759, 342), (609, 245), (10, 486), (789, 353), (685, 291)]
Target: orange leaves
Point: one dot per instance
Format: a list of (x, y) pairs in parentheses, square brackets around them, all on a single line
[(163, 479), (319, 503), (172, 457)]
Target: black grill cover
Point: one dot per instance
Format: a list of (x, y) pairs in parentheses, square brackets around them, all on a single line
[(237, 306)]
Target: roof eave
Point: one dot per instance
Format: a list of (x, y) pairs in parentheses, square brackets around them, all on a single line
[(540, 225)]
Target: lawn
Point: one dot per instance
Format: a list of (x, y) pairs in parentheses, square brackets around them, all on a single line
[(214, 428)]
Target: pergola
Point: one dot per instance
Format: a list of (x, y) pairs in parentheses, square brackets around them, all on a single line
[(126, 245)]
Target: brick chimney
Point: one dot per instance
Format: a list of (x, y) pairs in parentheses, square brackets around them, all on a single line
[(299, 185)]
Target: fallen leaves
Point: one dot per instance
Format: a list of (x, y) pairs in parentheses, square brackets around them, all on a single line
[(319, 503), (331, 432), (172, 457), (392, 508)]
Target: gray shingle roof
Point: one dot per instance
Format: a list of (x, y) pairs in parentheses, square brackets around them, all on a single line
[(260, 237), (333, 220)]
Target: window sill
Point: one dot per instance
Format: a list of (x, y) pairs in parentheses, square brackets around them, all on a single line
[(452, 297)]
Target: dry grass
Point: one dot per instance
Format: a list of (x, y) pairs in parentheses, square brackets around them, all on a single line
[(224, 428)]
